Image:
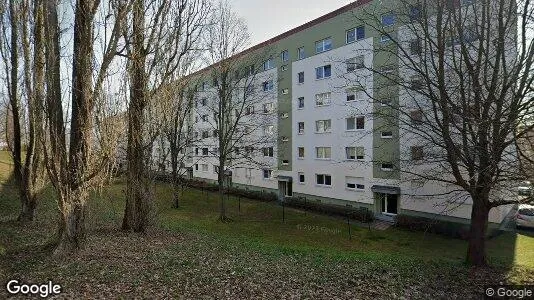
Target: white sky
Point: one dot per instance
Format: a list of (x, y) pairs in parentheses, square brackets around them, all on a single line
[(268, 18)]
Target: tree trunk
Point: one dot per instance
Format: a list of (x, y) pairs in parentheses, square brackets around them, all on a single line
[(16, 149), (222, 206), (137, 197), (72, 229), (29, 203), (476, 252)]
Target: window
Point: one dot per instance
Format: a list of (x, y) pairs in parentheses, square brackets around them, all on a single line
[(215, 169), (300, 151), (268, 64), (416, 116), (283, 68), (387, 134), (268, 86), (323, 152), (415, 13), (355, 63), (300, 53), (468, 2), (355, 34), (353, 153), (388, 19), (354, 183), (415, 47), (285, 91), (300, 102), (353, 95), (204, 101), (204, 118), (302, 178), (249, 110), (385, 38), (301, 77), (215, 133), (284, 55), (205, 134), (268, 130), (301, 127), (387, 167), (323, 126), (196, 151), (323, 179), (205, 151), (268, 152), (355, 123), (248, 172), (323, 45), (204, 86), (323, 72), (196, 167), (417, 153), (267, 173), (285, 162), (268, 108), (322, 99), (204, 168)]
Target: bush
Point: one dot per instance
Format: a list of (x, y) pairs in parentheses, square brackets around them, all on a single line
[(451, 229)]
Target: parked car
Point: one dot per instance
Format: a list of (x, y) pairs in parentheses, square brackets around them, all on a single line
[(525, 216)]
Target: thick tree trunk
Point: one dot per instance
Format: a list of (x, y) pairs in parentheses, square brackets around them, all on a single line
[(72, 229), (137, 198), (476, 252), (29, 203)]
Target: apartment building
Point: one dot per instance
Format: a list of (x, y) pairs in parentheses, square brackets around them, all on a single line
[(320, 106)]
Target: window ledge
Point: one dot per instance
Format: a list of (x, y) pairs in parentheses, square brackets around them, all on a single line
[(355, 190), (323, 186)]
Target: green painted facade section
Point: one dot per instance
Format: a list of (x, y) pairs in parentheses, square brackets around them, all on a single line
[(384, 150)]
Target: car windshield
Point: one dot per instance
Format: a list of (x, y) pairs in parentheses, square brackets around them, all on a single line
[(527, 212)]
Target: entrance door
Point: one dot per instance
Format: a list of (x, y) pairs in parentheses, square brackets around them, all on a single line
[(285, 189), (389, 204)]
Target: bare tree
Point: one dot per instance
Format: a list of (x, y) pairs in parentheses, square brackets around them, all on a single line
[(73, 167), (27, 101), (228, 93), (163, 33), (456, 80)]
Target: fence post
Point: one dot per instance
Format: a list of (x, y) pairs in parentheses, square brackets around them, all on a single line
[(283, 212), (348, 224)]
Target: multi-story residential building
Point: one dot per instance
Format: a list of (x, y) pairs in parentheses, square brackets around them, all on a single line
[(331, 145)]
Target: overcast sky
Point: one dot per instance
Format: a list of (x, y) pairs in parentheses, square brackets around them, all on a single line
[(268, 18)]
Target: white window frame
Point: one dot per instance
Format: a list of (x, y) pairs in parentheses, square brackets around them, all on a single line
[(324, 125), (323, 99), (323, 44), (324, 180), (323, 153), (322, 75)]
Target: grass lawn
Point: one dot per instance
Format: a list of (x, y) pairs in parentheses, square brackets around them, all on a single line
[(189, 254)]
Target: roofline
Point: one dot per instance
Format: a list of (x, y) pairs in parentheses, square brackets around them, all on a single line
[(293, 31)]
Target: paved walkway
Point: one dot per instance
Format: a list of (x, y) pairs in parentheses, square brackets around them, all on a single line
[(381, 225)]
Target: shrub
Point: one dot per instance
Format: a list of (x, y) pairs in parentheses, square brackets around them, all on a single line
[(451, 229)]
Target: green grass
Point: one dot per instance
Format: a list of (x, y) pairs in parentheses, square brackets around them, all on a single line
[(308, 253), (260, 225)]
